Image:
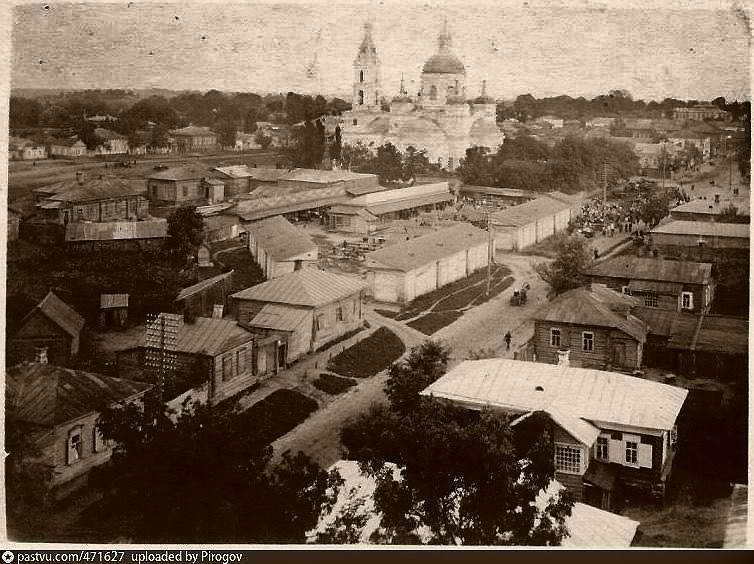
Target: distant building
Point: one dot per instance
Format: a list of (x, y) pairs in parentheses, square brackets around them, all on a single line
[(687, 137), (308, 308), (708, 239), (97, 199), (72, 147), (701, 112), (50, 331), (610, 430), (114, 143), (495, 195), (61, 409), (402, 272), (246, 142), (712, 210), (25, 150), (113, 310), (179, 186), (279, 247), (192, 138), (552, 121), (601, 122)]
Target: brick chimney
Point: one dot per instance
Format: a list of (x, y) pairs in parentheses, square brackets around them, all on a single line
[(80, 176), (40, 355)]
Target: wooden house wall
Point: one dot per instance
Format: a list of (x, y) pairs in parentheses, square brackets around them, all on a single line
[(40, 331), (299, 341), (176, 191), (202, 303), (239, 380), (352, 319)]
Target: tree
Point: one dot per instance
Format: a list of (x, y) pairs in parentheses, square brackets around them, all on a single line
[(389, 163), (730, 214), (423, 365), (263, 139), (202, 475), (160, 136), (477, 168), (356, 157), (415, 162), (185, 230), (337, 144), (85, 132), (226, 132), (569, 268)]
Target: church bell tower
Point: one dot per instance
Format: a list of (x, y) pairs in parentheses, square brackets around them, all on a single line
[(366, 66)]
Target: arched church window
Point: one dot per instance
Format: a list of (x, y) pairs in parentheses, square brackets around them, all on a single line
[(433, 92), (361, 76), (361, 97)]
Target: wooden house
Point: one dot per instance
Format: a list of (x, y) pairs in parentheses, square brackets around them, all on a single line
[(193, 138), (113, 310), (401, 272), (199, 300), (712, 210), (609, 430), (116, 235), (707, 240), (351, 219), (279, 247), (593, 327), (72, 147), (665, 284), (60, 409), (308, 307), (51, 330), (495, 195), (180, 186)]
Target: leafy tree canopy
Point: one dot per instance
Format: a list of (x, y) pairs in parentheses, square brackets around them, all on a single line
[(569, 268), (185, 230)]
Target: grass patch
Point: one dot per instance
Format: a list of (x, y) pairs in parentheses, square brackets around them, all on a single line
[(340, 339), (369, 356), (495, 289), (246, 272), (386, 313), (333, 384), (433, 322), (277, 414)]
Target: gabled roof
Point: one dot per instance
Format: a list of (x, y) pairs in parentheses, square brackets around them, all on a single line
[(192, 130), (309, 287), (279, 317), (49, 395), (636, 268), (280, 239), (596, 396), (210, 336), (594, 307), (345, 209), (180, 173), (60, 313), (528, 212), (93, 189), (203, 285), (326, 176), (704, 229), (66, 142), (710, 207), (234, 171), (156, 228), (108, 135), (408, 255)]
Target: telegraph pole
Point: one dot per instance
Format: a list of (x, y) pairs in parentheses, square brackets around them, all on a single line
[(489, 251), (604, 186)]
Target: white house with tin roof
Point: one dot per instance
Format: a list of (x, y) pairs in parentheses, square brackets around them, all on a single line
[(308, 307), (610, 430), (279, 247)]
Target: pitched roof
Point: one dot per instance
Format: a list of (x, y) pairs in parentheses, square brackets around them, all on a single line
[(280, 239), (279, 317), (326, 176), (591, 527), (309, 287), (523, 214), (50, 395), (494, 190), (192, 130), (345, 209), (710, 207), (180, 173), (156, 228), (108, 135), (593, 395), (92, 189), (63, 315), (704, 229), (203, 285), (408, 255), (661, 270), (210, 336), (66, 142), (234, 171), (594, 307), (113, 300), (409, 203)]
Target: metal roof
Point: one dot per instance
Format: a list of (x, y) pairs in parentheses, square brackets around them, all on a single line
[(595, 307), (180, 173), (529, 212), (408, 255), (496, 191), (709, 333), (203, 285), (409, 203), (326, 176), (93, 189), (659, 320), (210, 336), (710, 207), (252, 209), (660, 270), (280, 239), (49, 395), (309, 287), (113, 300), (590, 527), (593, 395), (117, 230), (704, 229), (234, 171), (280, 317), (59, 312), (581, 430), (192, 131), (345, 209)]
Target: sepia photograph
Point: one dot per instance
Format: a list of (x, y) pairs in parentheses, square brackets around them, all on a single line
[(332, 274)]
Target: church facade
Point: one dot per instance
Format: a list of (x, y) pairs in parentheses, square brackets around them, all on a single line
[(440, 119)]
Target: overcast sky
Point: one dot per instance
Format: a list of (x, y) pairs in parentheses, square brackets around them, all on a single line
[(267, 47)]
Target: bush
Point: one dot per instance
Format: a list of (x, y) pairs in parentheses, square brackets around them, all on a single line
[(333, 384), (277, 414), (369, 356)]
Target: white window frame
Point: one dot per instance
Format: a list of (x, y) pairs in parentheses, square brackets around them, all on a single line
[(98, 442), (78, 449), (584, 341), (555, 332), (632, 439), (625, 290), (574, 449), (690, 296)]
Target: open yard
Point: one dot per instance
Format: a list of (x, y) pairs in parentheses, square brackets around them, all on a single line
[(368, 356), (277, 414)]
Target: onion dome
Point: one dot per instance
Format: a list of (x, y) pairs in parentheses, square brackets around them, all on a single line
[(444, 61)]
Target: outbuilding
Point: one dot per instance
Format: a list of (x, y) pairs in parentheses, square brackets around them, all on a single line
[(279, 247)]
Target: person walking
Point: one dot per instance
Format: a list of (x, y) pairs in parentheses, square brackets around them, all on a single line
[(508, 338)]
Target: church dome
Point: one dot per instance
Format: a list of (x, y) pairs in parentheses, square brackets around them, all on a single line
[(444, 63)]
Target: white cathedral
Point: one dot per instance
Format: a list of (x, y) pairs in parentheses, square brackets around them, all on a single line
[(439, 120)]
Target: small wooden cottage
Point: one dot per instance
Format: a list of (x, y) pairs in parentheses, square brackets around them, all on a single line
[(279, 247), (113, 311), (199, 300)]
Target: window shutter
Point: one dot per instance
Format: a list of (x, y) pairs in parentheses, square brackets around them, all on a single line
[(645, 455), (615, 451)]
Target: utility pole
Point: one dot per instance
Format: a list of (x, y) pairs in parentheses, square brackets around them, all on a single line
[(604, 186), (489, 251)]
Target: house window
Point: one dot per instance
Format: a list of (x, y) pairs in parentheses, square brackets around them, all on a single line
[(227, 368), (687, 300), (241, 361), (321, 323), (433, 92), (650, 300), (568, 459), (98, 442), (361, 76), (185, 191), (339, 313), (588, 341), (75, 445), (632, 452), (603, 448), (625, 290), (555, 337)]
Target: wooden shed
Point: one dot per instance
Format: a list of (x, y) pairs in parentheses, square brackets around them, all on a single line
[(113, 310), (199, 300)]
